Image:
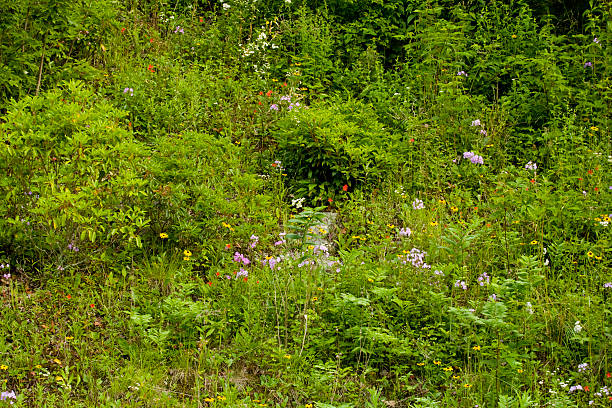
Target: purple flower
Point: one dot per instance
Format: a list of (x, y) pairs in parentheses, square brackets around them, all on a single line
[(531, 166), (179, 30), (285, 98), (405, 232), (274, 107), (588, 64), (242, 272), (462, 73), (484, 279), (596, 40), (461, 284), (483, 132), (468, 155), (7, 276), (583, 367), (238, 257), (5, 395), (607, 285), (130, 90), (418, 204), (476, 122), (493, 297)]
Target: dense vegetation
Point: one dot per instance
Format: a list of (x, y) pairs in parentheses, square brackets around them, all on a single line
[(297, 203)]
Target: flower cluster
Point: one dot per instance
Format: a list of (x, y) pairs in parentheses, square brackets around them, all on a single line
[(130, 90), (474, 158), (7, 396), (239, 258), (461, 284), (418, 204), (73, 247), (417, 258), (6, 275), (179, 29), (484, 279), (254, 241), (462, 73), (531, 166), (405, 232), (583, 367)]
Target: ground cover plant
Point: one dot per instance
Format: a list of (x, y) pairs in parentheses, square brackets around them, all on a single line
[(305, 204)]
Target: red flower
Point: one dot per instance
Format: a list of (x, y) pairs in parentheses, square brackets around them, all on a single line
[(228, 246), (590, 171), (586, 388), (70, 297), (274, 164), (261, 93), (217, 274), (269, 93), (151, 40), (345, 187), (209, 283), (284, 84), (330, 200), (532, 180), (123, 30), (579, 178), (92, 305), (412, 140), (596, 188), (246, 279), (150, 68), (608, 375), (201, 19)]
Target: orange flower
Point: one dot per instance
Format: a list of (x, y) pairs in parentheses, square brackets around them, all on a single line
[(269, 93)]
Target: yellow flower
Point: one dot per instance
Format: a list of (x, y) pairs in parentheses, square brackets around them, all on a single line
[(420, 364), (598, 257), (390, 225), (590, 254), (448, 368), (442, 201), (56, 361), (476, 348), (209, 399), (3, 367), (69, 338), (467, 385), (314, 298), (370, 280), (187, 252), (534, 242), (437, 362), (454, 209), (59, 379), (319, 288), (594, 128), (456, 377), (520, 371), (163, 235), (287, 356), (433, 223), (38, 366), (186, 258), (221, 398), (308, 406), (513, 35)]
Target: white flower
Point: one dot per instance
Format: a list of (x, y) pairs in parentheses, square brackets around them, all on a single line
[(577, 327), (226, 6)]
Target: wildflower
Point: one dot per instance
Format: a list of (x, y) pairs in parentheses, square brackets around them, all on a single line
[(437, 362), (483, 132), (448, 368), (461, 284), (57, 361), (454, 209), (577, 327), (476, 122), (6, 395), (68, 297), (330, 200), (529, 307), (583, 367), (187, 253), (3, 367), (596, 40), (405, 232), (345, 187), (178, 29), (607, 285), (513, 36), (590, 254), (534, 242), (163, 235), (226, 6), (418, 204), (420, 364), (456, 377), (462, 73), (150, 68), (274, 107), (588, 64), (531, 166), (484, 279), (151, 40), (476, 348), (467, 385), (130, 90)]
